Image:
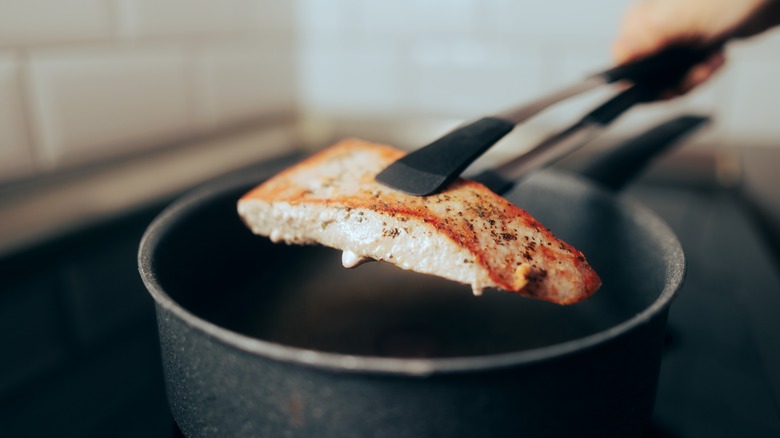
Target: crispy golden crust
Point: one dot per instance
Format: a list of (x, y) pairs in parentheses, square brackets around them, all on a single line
[(517, 253)]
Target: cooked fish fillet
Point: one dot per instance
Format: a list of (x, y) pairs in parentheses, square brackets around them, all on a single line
[(465, 233)]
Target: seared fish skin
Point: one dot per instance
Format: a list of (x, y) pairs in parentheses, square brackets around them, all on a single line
[(465, 233)]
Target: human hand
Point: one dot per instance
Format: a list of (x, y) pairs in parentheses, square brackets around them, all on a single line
[(653, 25)]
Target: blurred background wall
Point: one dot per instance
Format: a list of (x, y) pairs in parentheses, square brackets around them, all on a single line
[(88, 80)]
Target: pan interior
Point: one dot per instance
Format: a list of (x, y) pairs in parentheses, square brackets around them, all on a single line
[(209, 263)]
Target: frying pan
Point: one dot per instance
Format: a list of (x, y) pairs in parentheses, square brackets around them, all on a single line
[(261, 339)]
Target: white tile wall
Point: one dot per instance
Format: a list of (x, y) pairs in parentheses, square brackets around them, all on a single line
[(554, 20), (351, 78), (144, 18), (322, 17), (90, 103), (473, 78), (268, 15), (46, 21), (86, 80), (416, 17), (15, 154), (753, 110), (432, 58), (236, 83)]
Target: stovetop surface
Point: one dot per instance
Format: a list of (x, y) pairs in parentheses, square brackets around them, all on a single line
[(720, 375), (83, 360)]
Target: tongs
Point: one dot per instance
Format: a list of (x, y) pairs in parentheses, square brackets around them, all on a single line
[(623, 161), (430, 168)]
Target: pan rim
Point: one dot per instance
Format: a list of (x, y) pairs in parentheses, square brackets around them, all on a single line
[(674, 260)]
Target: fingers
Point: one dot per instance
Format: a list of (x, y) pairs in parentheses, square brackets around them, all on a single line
[(642, 32), (702, 73), (698, 75), (652, 25)]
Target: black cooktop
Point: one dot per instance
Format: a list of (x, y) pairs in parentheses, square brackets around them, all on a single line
[(721, 371)]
